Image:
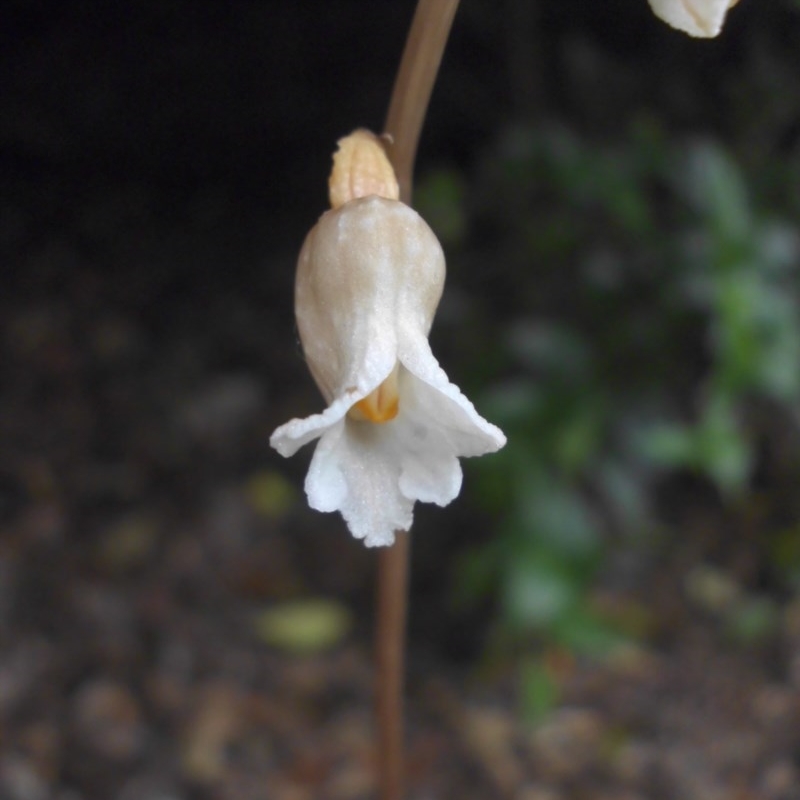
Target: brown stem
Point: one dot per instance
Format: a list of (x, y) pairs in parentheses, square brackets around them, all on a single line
[(412, 90), (414, 84), (392, 606)]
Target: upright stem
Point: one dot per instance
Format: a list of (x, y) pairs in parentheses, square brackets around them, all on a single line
[(414, 83), (412, 90), (390, 640)]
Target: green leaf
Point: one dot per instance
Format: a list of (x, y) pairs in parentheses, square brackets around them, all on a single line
[(718, 189), (668, 444), (270, 494), (753, 621), (584, 632), (304, 627), (540, 690), (537, 590), (722, 450), (555, 514)]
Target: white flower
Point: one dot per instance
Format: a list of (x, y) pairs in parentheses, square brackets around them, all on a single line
[(702, 18), (369, 279)]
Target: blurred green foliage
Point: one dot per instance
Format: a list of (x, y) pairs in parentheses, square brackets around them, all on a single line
[(654, 301)]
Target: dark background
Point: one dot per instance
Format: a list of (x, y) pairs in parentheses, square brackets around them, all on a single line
[(160, 164)]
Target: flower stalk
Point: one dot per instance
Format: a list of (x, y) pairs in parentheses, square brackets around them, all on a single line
[(419, 66), (369, 278)]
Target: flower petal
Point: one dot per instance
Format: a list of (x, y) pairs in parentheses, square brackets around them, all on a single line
[(433, 398), (702, 18), (369, 279), (430, 470), (326, 486), (364, 461), (363, 268), (374, 473), (291, 436)]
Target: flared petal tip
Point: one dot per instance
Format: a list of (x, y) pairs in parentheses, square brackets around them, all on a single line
[(374, 533), (699, 18), (292, 435), (385, 539), (496, 439), (282, 440)]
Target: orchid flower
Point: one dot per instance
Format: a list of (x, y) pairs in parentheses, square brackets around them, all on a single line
[(369, 279), (701, 18)]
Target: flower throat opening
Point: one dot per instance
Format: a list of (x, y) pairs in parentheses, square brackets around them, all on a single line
[(380, 405)]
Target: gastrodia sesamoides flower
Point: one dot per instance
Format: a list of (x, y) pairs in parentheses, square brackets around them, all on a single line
[(701, 18), (369, 279)]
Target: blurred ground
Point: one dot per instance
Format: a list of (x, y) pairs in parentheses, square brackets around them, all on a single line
[(145, 527)]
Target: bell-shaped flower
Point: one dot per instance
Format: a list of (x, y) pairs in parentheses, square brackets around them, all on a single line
[(369, 279), (701, 18)]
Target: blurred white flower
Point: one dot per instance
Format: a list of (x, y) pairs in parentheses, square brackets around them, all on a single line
[(369, 279), (702, 18)]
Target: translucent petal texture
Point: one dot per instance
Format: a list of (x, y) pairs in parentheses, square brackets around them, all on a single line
[(373, 474), (289, 438), (702, 18), (369, 279), (365, 269)]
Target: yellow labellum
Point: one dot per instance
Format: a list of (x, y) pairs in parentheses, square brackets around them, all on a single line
[(380, 405)]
